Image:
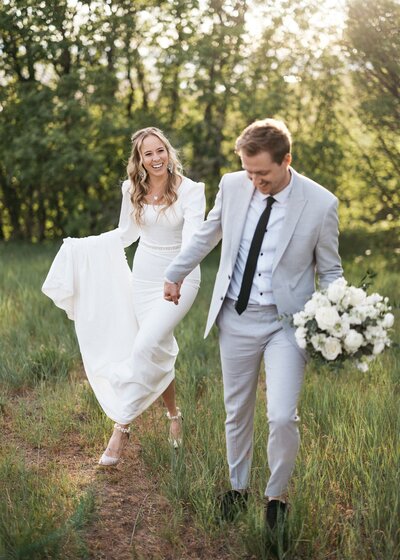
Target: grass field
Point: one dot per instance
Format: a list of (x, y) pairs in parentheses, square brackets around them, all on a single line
[(345, 490)]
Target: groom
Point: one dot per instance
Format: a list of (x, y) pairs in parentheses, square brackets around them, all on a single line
[(278, 229)]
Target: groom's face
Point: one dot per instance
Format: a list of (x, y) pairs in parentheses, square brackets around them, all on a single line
[(266, 175)]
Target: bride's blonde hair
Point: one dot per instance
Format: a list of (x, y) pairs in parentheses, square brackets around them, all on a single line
[(138, 175)]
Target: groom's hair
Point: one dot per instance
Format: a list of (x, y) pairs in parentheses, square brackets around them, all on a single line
[(266, 135)]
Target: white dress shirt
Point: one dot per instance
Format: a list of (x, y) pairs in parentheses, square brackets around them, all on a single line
[(261, 290)]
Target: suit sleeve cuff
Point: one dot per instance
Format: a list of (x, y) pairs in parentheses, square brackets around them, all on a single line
[(169, 281)]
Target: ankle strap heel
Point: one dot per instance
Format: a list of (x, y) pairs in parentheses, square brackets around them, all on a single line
[(177, 417), (113, 460), (175, 441), (122, 429)]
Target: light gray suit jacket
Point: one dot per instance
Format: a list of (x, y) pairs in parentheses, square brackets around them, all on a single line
[(308, 243)]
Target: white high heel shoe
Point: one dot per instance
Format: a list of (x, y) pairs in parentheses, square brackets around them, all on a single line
[(176, 442), (108, 460)]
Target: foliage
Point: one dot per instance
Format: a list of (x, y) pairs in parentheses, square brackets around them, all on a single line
[(373, 44), (78, 77)]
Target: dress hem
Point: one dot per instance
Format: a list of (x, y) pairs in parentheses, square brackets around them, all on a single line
[(147, 403)]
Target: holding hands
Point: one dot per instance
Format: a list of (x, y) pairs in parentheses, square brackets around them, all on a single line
[(172, 291)]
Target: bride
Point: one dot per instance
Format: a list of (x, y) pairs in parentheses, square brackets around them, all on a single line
[(162, 208)]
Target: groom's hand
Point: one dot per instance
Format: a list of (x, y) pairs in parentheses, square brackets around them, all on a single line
[(172, 291)]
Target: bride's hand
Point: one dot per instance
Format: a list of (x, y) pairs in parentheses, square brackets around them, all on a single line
[(172, 291)]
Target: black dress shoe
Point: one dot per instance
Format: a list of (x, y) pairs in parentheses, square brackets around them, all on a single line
[(275, 513), (232, 503)]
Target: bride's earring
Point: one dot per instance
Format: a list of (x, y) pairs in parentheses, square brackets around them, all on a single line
[(170, 167)]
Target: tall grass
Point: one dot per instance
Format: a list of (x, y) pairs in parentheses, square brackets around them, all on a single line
[(36, 340), (40, 516), (344, 492)]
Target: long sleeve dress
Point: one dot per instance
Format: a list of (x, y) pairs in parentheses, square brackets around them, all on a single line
[(123, 324)]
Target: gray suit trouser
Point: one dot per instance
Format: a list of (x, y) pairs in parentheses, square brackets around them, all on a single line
[(244, 340)]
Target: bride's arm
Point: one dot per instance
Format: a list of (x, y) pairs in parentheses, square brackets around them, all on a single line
[(127, 225), (194, 208)]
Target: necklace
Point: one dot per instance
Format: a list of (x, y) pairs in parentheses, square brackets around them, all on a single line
[(156, 197), (155, 192)]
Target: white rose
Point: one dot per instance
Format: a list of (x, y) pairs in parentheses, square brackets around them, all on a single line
[(331, 349), (336, 290), (318, 341), (354, 296), (311, 306), (327, 317), (300, 336), (373, 333), (373, 299), (358, 312), (353, 341), (317, 300), (369, 334), (321, 300), (342, 328), (388, 321), (300, 318), (378, 347), (355, 318), (369, 311), (362, 366)]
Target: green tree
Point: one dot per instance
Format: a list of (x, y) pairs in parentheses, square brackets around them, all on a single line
[(373, 46), (63, 134), (78, 78), (218, 63)]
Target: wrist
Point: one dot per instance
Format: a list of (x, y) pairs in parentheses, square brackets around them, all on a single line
[(170, 281)]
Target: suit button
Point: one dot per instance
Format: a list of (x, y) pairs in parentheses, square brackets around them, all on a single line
[(222, 298), (229, 276), (261, 254)]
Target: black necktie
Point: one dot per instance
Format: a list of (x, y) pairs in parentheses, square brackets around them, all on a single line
[(252, 258)]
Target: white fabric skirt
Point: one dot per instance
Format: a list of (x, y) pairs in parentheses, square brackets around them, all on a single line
[(123, 324), (151, 364)]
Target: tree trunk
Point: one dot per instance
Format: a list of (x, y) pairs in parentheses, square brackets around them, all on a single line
[(12, 204)]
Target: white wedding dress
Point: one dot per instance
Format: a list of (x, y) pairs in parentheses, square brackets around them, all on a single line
[(123, 324)]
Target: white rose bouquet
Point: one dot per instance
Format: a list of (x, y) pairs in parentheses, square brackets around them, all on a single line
[(344, 322)]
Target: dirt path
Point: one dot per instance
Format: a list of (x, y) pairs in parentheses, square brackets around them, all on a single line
[(132, 520)]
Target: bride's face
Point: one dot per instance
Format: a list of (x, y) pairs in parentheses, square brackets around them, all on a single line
[(155, 157)]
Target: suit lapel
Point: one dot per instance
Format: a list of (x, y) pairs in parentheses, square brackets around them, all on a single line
[(242, 203), (295, 207)]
